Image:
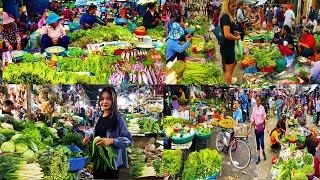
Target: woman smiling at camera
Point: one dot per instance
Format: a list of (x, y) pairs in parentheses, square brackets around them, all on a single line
[(110, 125)]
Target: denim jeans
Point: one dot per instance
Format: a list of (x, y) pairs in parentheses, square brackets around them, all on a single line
[(259, 139)]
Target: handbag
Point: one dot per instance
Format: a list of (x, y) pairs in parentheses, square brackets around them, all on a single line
[(217, 31), (259, 128)]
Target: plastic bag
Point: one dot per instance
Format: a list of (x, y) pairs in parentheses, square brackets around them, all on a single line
[(238, 51), (281, 65)]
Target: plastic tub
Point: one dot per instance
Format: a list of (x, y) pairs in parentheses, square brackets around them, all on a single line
[(182, 140), (206, 136), (76, 163)]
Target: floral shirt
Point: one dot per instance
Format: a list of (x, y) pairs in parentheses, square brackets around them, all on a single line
[(54, 33), (11, 35)]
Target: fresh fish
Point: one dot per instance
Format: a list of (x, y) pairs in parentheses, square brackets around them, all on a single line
[(123, 55), (126, 78), (153, 75), (144, 77), (148, 76), (131, 53), (145, 53), (139, 78)]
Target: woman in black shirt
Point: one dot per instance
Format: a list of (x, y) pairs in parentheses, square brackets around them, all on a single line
[(227, 23)]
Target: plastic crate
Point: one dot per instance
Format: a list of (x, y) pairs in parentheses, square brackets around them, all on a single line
[(76, 163), (202, 143), (33, 51)]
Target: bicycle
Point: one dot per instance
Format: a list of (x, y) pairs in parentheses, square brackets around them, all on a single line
[(239, 151)]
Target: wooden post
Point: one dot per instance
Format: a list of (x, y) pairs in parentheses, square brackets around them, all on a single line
[(29, 105)]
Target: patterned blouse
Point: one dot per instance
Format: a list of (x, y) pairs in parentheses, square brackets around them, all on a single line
[(11, 35), (57, 32)]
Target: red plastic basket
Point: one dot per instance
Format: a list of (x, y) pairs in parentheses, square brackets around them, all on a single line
[(267, 69), (140, 32), (292, 142)]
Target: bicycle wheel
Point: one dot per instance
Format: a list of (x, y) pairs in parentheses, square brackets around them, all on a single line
[(219, 140), (240, 154)]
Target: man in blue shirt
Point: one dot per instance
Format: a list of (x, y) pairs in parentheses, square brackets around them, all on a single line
[(88, 19), (237, 114)]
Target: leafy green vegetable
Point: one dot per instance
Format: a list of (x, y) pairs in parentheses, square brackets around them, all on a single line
[(299, 175), (8, 147), (21, 148), (202, 164), (308, 159), (28, 57), (28, 154), (171, 162), (148, 125), (308, 169), (158, 32), (8, 133), (197, 73), (54, 164), (72, 139), (103, 156), (2, 139)]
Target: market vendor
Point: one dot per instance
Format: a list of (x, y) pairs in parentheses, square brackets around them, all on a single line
[(151, 18), (175, 102), (282, 124), (88, 19), (10, 34), (286, 45), (111, 126), (32, 24), (316, 160), (311, 141), (314, 77), (53, 33), (174, 48), (275, 138), (183, 95), (237, 114), (306, 43), (8, 106)]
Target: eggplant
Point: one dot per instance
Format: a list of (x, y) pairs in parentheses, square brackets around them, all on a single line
[(126, 78)]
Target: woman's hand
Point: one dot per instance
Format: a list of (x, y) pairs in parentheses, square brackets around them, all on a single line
[(19, 47), (238, 37), (86, 140), (55, 40), (10, 48), (237, 33), (105, 141)]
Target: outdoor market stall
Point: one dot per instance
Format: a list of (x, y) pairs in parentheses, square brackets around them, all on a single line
[(199, 66), (134, 54), (264, 64)]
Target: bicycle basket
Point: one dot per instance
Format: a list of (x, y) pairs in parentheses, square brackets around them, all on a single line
[(240, 130)]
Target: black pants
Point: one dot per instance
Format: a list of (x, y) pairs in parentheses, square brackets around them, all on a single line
[(276, 146), (318, 117), (108, 174), (179, 56)]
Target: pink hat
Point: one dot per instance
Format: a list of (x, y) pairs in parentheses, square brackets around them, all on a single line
[(6, 18)]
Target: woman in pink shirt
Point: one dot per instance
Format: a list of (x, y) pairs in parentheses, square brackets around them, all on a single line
[(259, 121), (53, 33)]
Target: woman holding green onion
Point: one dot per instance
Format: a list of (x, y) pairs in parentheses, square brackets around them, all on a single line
[(110, 125)]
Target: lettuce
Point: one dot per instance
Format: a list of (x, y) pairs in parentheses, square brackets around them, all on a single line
[(21, 148), (8, 147)]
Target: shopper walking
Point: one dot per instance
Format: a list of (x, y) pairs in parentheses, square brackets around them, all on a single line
[(259, 121)]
